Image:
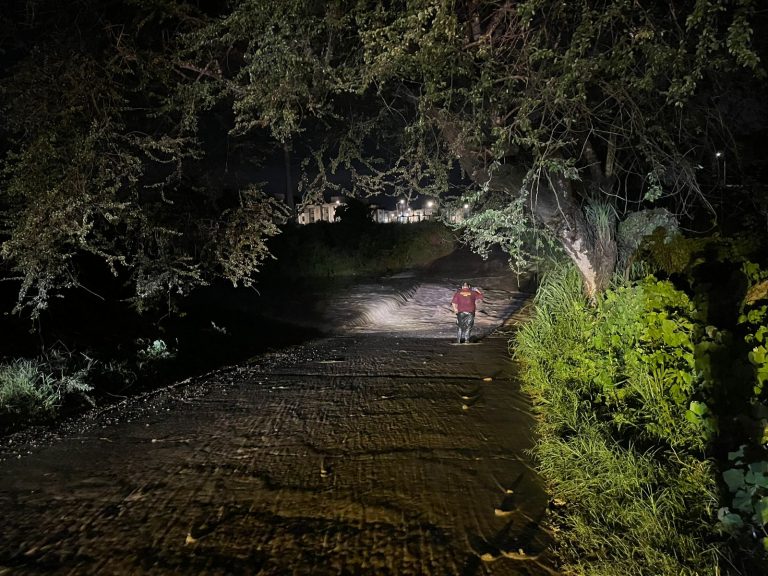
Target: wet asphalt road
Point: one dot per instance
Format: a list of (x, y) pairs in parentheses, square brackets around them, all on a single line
[(384, 449)]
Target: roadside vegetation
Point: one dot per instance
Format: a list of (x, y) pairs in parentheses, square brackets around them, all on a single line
[(356, 246), (652, 408), (37, 389), (128, 129), (93, 364)]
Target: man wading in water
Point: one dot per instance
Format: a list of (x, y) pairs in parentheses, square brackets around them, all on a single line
[(463, 305)]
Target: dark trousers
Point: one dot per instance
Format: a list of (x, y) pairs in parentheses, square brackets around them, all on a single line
[(464, 323)]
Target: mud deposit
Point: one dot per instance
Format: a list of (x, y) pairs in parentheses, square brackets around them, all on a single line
[(383, 449)]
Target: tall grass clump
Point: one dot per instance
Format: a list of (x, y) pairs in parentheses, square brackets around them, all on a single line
[(623, 427), (33, 391)]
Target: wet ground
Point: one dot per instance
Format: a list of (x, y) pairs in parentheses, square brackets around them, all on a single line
[(383, 448)]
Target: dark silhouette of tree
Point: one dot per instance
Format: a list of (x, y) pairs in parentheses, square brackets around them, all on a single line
[(355, 214)]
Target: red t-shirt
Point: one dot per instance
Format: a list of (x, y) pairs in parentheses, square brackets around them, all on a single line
[(465, 299)]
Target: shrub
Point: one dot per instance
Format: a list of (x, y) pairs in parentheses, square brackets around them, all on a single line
[(324, 250), (31, 390), (24, 390), (745, 475), (153, 351), (623, 424), (730, 289)]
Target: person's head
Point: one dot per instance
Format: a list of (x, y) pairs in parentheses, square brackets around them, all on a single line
[(465, 284)]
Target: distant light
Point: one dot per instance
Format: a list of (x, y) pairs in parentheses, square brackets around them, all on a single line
[(338, 201), (430, 204), (718, 154), (402, 201), (466, 206)]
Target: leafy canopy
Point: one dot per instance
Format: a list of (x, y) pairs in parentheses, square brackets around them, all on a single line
[(617, 97), (101, 160), (109, 111)]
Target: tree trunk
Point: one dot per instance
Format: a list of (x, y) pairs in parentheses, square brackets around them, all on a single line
[(591, 247), (288, 180), (552, 203)]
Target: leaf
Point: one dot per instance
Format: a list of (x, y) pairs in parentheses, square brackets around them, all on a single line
[(737, 454), (668, 329), (757, 356), (692, 418), (731, 522), (761, 511), (743, 501), (699, 408), (734, 478), (757, 292), (756, 479)]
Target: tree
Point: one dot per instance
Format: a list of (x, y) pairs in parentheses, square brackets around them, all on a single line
[(355, 214), (99, 162), (565, 116)]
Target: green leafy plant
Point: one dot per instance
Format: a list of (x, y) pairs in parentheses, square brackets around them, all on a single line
[(624, 421), (24, 390), (747, 477), (34, 390), (154, 351), (754, 316), (747, 483)]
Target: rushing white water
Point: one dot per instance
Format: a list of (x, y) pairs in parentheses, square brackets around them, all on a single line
[(421, 308)]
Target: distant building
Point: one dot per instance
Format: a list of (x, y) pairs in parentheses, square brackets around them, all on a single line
[(325, 212), (405, 212)]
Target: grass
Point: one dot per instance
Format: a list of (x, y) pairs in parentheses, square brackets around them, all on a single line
[(33, 390), (611, 384)]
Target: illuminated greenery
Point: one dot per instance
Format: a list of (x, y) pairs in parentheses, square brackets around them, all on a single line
[(652, 403), (623, 425), (34, 390)]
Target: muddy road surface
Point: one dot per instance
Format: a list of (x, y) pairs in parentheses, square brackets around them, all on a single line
[(384, 448)]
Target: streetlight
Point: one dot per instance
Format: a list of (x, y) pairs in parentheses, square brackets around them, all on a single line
[(401, 205), (460, 214), (721, 156), (428, 211)]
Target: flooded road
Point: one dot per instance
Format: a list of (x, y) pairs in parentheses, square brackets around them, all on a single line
[(381, 449)]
